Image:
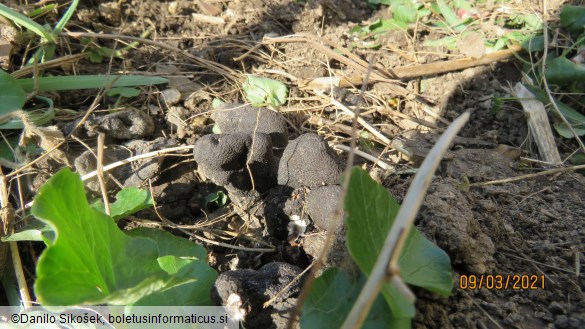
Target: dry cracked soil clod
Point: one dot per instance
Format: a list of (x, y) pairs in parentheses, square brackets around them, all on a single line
[(248, 290), (123, 125)]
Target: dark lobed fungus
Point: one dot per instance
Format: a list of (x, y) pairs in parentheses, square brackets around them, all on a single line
[(309, 161), (228, 159), (239, 118)]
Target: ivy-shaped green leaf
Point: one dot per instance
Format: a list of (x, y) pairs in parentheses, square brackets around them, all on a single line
[(261, 91), (371, 212)]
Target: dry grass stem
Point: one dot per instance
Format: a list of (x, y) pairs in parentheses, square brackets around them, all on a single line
[(376, 161), (415, 71), (529, 176), (390, 112), (117, 164), (100, 172), (385, 140), (287, 287), (208, 19), (48, 64)]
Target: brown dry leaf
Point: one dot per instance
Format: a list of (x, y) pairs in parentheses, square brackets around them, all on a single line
[(46, 138)]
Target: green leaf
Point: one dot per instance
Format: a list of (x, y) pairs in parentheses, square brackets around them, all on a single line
[(450, 42), (219, 198), (450, 16), (170, 245), (37, 117), (129, 200), (500, 44), (535, 43), (377, 27), (425, 265), (12, 96), (66, 17), (385, 25), (45, 9), (564, 130), (404, 11), (183, 259), (34, 231), (260, 91), (124, 92), (89, 82), (95, 57), (91, 261), (196, 292), (577, 159), (529, 22), (331, 298), (22, 20), (371, 212), (573, 18), (517, 36), (562, 71), (463, 4), (216, 102), (7, 147)]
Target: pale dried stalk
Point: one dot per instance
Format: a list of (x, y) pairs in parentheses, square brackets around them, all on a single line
[(208, 19), (49, 64), (386, 268), (377, 162), (100, 172), (538, 124), (538, 174)]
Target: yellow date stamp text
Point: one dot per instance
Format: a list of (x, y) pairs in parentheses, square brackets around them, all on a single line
[(501, 281)]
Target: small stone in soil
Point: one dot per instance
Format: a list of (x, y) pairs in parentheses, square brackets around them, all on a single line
[(86, 163), (125, 125), (177, 120), (171, 96), (148, 168)]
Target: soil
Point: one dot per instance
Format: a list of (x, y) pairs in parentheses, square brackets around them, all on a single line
[(526, 227)]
